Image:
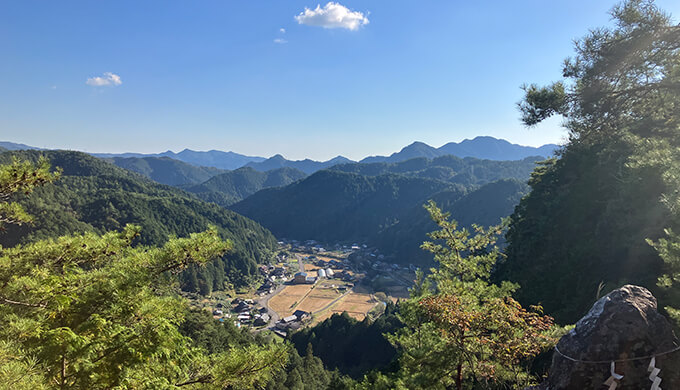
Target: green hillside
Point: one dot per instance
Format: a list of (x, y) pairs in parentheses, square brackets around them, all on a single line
[(484, 206), (166, 170), (466, 171), (337, 206), (230, 187), (93, 195)]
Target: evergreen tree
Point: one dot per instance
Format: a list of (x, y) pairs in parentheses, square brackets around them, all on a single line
[(461, 330), (92, 311), (582, 230)]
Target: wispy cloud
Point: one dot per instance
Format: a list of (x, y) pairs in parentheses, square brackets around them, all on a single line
[(108, 79), (332, 15), (280, 41), (282, 30)]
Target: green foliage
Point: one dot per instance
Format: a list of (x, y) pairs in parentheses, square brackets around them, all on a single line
[(589, 214), (20, 177), (461, 330), (95, 196), (465, 171), (383, 210), (230, 187), (166, 170), (485, 205), (335, 206), (88, 311), (352, 347)]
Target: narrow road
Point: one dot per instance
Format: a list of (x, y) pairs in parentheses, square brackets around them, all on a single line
[(301, 264), (264, 301)]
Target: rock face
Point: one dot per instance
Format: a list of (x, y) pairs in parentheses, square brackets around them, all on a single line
[(622, 325)]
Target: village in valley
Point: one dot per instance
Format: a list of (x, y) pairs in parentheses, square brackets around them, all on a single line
[(307, 283)]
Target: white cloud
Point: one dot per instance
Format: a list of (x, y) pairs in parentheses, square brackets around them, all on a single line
[(108, 79), (332, 15), (282, 30), (280, 41)]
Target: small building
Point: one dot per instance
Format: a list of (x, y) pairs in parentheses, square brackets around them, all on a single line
[(300, 278), (242, 307), (218, 312), (301, 315), (289, 319), (329, 273), (321, 273), (262, 320)]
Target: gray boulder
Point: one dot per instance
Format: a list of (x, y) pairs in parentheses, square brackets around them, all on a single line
[(622, 325)]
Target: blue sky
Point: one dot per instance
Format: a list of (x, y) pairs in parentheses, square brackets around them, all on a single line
[(224, 75)]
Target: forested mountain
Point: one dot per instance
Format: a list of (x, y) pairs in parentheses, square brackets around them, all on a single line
[(15, 146), (587, 225), (211, 158), (484, 206), (93, 195), (337, 206), (166, 170), (230, 187), (495, 149), (466, 171), (307, 166), (382, 210), (479, 147)]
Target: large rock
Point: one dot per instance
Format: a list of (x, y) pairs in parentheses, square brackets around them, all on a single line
[(622, 325)]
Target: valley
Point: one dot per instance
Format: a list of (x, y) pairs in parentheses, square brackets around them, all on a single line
[(286, 292)]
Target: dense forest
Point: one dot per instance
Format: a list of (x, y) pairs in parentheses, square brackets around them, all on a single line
[(483, 206), (166, 170), (334, 206), (95, 196), (228, 188), (466, 171), (588, 222), (382, 204)]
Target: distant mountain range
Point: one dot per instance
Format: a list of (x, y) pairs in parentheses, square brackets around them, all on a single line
[(230, 187), (380, 204), (485, 148), (211, 158), (307, 166), (166, 170), (15, 146), (482, 147)]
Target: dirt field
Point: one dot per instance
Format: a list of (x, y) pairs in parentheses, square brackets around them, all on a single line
[(355, 303), (283, 303), (320, 292), (312, 304), (311, 267)]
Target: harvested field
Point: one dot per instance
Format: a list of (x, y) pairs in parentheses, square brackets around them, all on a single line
[(284, 302), (324, 293), (312, 304), (311, 267), (355, 303)]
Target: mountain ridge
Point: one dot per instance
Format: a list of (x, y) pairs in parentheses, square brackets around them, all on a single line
[(481, 147)]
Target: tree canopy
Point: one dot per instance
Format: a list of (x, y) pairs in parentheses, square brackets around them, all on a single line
[(583, 229)]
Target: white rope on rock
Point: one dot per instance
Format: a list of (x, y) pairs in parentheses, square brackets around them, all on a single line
[(654, 374), (614, 378), (617, 360)]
